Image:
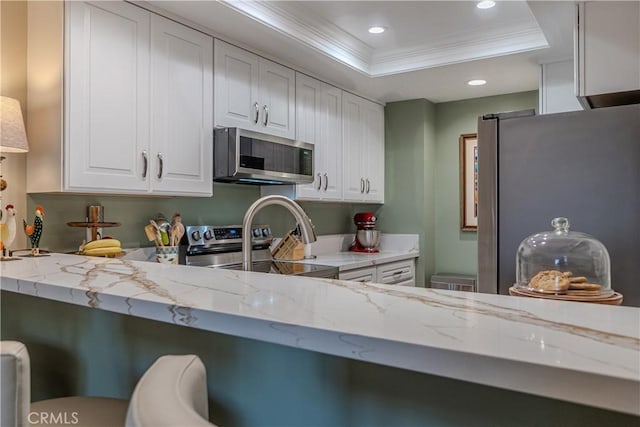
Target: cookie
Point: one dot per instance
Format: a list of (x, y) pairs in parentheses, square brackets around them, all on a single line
[(579, 279), (549, 281), (585, 286)]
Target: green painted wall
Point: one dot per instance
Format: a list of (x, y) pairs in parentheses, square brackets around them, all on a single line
[(422, 193), (252, 383), (227, 206), (455, 250), (409, 177)]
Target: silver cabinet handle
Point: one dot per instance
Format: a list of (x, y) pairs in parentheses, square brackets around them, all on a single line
[(266, 115), (161, 161), (368, 185), (257, 107), (145, 163), (326, 182), (362, 185), (319, 182)]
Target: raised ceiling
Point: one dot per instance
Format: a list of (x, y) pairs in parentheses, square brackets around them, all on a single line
[(430, 48)]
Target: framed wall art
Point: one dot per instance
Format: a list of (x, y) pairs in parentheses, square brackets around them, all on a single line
[(469, 182)]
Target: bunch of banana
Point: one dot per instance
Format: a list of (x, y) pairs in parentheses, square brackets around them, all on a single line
[(102, 247)]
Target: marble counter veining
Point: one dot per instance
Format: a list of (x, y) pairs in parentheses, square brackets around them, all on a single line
[(578, 352)]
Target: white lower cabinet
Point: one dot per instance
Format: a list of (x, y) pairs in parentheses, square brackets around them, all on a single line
[(367, 274), (137, 106), (401, 273), (397, 273)]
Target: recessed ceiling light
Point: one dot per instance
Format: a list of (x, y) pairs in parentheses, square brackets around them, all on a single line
[(478, 82), (376, 30), (486, 4)]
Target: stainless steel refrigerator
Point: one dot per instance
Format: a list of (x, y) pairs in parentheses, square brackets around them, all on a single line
[(581, 165)]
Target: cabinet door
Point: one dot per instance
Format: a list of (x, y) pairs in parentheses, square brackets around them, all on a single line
[(373, 122), (352, 143), (308, 129), (609, 47), (106, 102), (331, 143), (397, 273), (236, 89), (277, 99), (182, 107), (367, 274)]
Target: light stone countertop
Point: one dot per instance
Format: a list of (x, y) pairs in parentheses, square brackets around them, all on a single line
[(346, 261), (578, 352)]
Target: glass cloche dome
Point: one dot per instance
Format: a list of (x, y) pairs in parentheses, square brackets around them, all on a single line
[(560, 261)]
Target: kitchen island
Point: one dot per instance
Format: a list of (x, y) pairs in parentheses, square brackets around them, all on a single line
[(583, 353)]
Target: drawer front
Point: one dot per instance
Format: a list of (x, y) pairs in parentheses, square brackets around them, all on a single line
[(401, 272), (411, 282), (360, 275)]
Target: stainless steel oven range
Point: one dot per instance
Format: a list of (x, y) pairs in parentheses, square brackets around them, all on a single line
[(221, 247)]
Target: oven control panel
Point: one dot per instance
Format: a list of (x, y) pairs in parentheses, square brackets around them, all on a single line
[(214, 235)]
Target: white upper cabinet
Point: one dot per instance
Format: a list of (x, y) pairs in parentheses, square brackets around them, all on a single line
[(557, 90), (374, 152), (607, 47), (363, 149), (181, 146), (138, 104), (319, 122), (107, 115), (252, 92), (331, 161)]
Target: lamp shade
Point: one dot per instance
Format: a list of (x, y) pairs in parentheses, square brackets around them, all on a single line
[(13, 138)]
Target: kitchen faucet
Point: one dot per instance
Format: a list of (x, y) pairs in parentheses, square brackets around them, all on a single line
[(307, 231)]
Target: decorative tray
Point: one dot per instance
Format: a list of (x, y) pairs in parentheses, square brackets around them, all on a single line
[(611, 297)]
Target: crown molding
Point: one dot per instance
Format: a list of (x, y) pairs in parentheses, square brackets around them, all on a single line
[(317, 33), (452, 50), (328, 39)]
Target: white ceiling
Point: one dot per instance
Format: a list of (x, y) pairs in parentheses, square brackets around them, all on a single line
[(430, 49)]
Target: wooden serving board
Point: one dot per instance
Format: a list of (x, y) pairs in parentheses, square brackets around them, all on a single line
[(612, 298)]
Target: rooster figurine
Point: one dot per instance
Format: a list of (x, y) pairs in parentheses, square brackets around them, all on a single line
[(7, 229), (34, 232)]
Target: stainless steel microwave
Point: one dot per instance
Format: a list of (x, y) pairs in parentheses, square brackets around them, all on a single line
[(247, 157)]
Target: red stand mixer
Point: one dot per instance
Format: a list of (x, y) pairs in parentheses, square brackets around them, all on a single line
[(367, 237)]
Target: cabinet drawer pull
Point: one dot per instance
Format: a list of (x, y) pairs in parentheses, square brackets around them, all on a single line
[(326, 182), (368, 185), (362, 185), (161, 163), (266, 115), (319, 182), (145, 163), (257, 107)]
